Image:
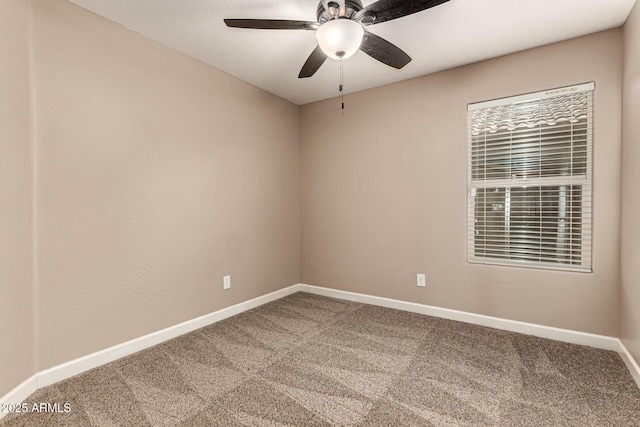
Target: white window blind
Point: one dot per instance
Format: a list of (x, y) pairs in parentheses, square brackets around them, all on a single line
[(530, 180)]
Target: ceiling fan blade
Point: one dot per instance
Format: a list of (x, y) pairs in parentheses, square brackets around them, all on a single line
[(384, 51), (314, 61), (386, 10), (271, 24)]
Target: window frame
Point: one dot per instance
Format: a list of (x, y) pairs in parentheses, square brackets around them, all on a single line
[(585, 181)]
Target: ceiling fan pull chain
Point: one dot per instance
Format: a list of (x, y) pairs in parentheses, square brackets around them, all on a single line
[(341, 87)]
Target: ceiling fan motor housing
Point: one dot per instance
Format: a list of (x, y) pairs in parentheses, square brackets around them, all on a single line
[(351, 8)]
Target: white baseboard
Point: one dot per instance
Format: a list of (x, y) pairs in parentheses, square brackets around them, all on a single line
[(19, 394), (628, 359), (566, 335), (85, 363), (82, 364), (102, 357)]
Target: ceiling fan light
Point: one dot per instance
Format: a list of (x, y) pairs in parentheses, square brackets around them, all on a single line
[(340, 38)]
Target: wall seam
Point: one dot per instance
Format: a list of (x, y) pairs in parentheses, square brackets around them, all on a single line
[(620, 179), (621, 312), (300, 227)]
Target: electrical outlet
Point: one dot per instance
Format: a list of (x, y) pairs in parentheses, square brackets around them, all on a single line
[(226, 282), (422, 282)]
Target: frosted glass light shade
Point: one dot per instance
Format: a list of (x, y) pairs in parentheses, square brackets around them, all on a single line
[(340, 38)]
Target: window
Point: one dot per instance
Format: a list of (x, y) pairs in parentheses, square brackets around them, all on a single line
[(530, 178)]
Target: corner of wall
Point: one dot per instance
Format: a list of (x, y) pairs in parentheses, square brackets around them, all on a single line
[(34, 171), (630, 192), (17, 353)]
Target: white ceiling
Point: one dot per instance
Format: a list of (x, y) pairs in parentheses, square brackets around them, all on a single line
[(455, 33)]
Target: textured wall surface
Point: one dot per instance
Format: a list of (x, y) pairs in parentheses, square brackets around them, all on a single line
[(630, 245), (16, 281), (384, 190), (157, 175)]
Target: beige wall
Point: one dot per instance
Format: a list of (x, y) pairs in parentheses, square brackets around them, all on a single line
[(384, 191), (157, 175), (16, 279), (630, 252)]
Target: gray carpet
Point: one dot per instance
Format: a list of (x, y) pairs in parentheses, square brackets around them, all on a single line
[(307, 360)]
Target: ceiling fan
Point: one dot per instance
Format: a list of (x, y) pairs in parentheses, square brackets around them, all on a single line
[(341, 30)]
